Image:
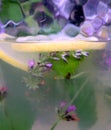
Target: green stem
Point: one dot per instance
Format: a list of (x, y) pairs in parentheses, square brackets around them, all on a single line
[(78, 75), (55, 124), (7, 116), (78, 92), (74, 97)]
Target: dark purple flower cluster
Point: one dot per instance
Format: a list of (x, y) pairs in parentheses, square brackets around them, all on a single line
[(32, 64), (67, 112)]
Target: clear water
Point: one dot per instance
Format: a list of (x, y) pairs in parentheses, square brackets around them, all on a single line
[(25, 109)]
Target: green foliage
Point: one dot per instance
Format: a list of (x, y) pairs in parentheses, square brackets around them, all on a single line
[(62, 68), (16, 112), (11, 11), (53, 28), (35, 1), (26, 7), (86, 103)]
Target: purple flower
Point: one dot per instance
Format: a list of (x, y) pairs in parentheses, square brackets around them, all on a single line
[(71, 108), (48, 65), (31, 63)]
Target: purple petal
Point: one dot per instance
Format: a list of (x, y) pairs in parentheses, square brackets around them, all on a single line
[(31, 63), (49, 65), (71, 108)]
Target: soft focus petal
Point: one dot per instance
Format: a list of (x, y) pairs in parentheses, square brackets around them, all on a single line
[(62, 104), (48, 65), (71, 108), (31, 63)]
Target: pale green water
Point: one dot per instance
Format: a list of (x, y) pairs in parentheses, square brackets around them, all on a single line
[(36, 110)]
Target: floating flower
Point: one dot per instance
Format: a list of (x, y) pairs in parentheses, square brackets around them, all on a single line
[(67, 113), (31, 64), (48, 65), (71, 108)]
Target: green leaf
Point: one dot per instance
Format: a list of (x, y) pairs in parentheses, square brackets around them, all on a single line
[(19, 114), (26, 7), (53, 28), (62, 68), (35, 0), (11, 11), (4, 123), (86, 103)]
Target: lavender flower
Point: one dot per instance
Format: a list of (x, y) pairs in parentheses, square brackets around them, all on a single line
[(67, 113), (31, 64), (48, 65), (71, 108)]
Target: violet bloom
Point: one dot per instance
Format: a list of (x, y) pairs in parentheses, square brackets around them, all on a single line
[(48, 65), (71, 108), (31, 63)]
